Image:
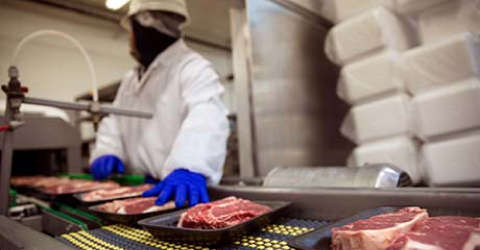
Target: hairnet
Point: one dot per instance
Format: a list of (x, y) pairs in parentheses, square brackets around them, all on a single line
[(166, 23), (178, 7)]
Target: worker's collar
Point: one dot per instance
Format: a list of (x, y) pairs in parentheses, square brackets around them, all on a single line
[(162, 59), (166, 56)]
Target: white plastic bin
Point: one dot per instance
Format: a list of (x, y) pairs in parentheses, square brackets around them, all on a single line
[(371, 32), (340, 10), (447, 110), (453, 162), (441, 63), (410, 6), (371, 77), (387, 117), (447, 19)]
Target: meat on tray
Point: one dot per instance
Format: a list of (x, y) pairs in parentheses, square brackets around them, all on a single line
[(115, 193), (377, 232), (78, 186), (37, 181), (441, 233), (135, 206), (222, 213), (24, 180)]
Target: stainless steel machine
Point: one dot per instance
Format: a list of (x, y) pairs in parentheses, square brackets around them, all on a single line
[(45, 145)]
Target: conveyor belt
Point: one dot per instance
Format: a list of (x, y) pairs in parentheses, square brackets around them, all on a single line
[(121, 237)]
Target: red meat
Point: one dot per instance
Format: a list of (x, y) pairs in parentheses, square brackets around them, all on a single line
[(441, 233), (222, 213), (135, 206), (115, 193), (78, 186), (377, 232)]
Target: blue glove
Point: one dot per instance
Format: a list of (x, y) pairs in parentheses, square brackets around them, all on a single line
[(180, 183), (106, 165)]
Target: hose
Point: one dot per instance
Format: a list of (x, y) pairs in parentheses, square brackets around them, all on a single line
[(72, 40)]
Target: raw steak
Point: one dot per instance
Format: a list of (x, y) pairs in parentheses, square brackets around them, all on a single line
[(135, 206), (78, 186), (377, 232), (115, 193), (37, 181), (24, 180), (441, 233), (222, 213)]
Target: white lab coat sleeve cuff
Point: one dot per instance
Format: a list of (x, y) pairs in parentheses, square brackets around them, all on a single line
[(108, 140)]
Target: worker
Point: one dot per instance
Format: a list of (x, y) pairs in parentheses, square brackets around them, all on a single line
[(184, 144)]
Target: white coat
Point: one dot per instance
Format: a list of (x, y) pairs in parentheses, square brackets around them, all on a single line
[(189, 128)]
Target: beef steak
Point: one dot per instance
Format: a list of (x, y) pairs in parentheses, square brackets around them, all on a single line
[(78, 186), (441, 233), (115, 193), (135, 206), (377, 232), (222, 213)]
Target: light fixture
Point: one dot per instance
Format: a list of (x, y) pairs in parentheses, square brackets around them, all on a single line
[(115, 4)]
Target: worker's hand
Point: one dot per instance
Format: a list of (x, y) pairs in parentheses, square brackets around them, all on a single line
[(106, 165), (180, 183)]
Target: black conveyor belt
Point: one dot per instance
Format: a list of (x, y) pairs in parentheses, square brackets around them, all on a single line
[(118, 237)]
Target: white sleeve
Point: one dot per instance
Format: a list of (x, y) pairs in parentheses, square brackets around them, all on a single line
[(108, 138), (200, 145)]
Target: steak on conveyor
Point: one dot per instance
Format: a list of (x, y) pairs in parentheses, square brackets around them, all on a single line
[(222, 213), (136, 206), (61, 185), (115, 193), (38, 181), (377, 232), (78, 186), (441, 233)]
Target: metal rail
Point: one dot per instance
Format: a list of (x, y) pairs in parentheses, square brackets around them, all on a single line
[(6, 169), (337, 203), (86, 107)]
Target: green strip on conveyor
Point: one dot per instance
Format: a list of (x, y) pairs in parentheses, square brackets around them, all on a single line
[(66, 217), (129, 180), (13, 198), (80, 213)]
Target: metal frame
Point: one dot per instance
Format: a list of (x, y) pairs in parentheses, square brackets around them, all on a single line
[(239, 33), (15, 236), (337, 203), (51, 133)]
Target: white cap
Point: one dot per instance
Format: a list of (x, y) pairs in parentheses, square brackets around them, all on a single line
[(174, 6)]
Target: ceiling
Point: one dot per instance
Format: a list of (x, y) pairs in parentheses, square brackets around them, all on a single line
[(210, 20)]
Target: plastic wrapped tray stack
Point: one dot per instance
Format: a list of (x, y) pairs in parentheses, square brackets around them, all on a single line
[(411, 71)]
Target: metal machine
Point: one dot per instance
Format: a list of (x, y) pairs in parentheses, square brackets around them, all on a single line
[(15, 93), (46, 145)]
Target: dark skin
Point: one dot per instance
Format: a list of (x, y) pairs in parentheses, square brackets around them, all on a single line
[(146, 43), (133, 50)]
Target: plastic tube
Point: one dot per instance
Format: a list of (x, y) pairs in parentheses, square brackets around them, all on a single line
[(69, 38)]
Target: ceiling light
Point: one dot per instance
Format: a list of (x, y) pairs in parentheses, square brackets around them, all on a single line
[(115, 4)]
